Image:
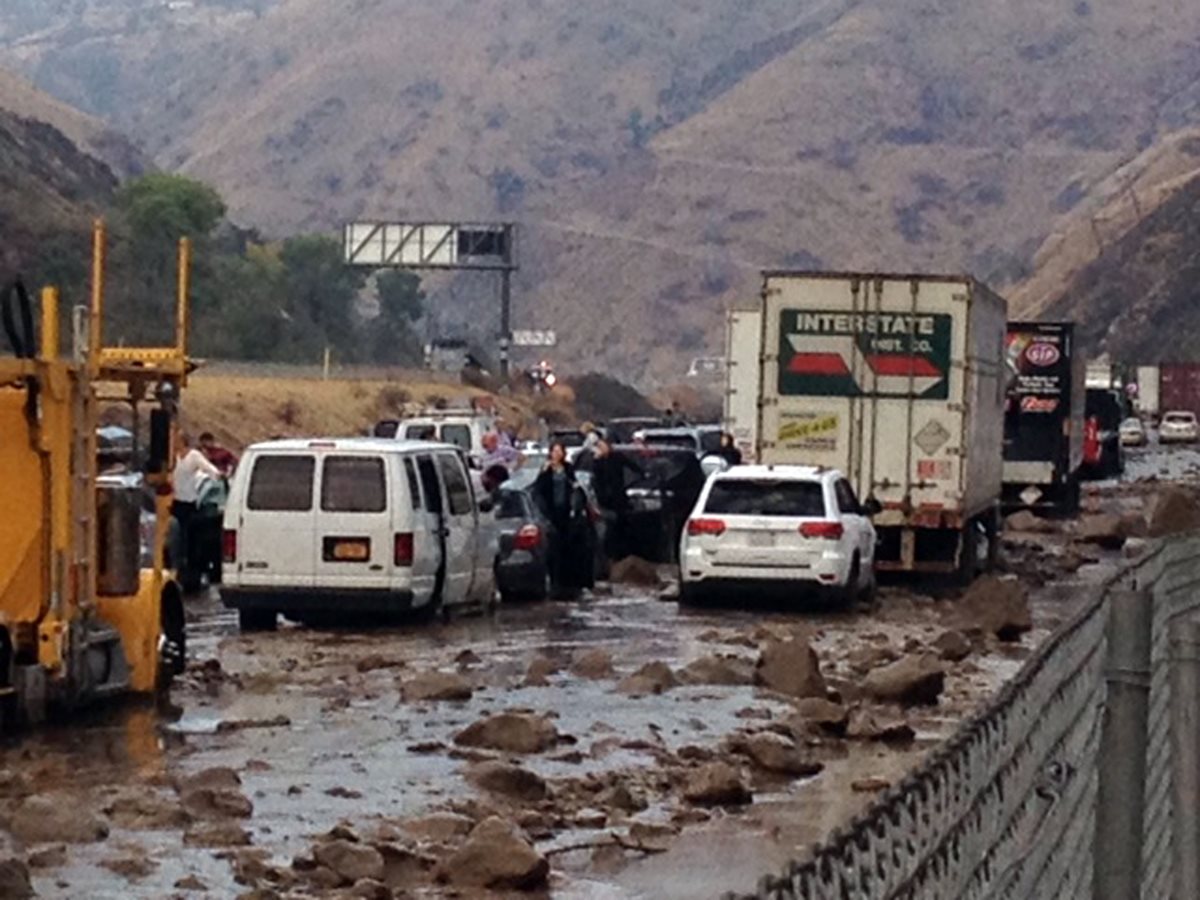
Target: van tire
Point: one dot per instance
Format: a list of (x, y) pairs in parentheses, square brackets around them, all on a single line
[(250, 620)]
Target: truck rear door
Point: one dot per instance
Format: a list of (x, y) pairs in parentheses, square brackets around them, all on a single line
[(868, 376)]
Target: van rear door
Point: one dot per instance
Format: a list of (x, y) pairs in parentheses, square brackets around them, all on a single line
[(425, 503), (355, 543), (277, 524)]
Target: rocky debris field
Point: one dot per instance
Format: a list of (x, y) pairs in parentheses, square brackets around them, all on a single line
[(614, 747)]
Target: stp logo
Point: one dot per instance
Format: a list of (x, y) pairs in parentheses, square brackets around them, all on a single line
[(1038, 404), (1042, 354)]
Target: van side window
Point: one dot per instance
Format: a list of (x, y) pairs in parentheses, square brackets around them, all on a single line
[(281, 484), (353, 484), (414, 486), (457, 487), (458, 435), (429, 481), (421, 433)]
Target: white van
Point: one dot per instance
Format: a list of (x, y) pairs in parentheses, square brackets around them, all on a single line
[(314, 528), (462, 428)]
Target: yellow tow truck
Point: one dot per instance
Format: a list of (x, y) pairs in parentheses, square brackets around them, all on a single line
[(88, 606)]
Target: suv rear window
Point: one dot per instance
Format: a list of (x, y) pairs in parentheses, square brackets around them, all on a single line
[(353, 484), (281, 484), (737, 497), (512, 506)]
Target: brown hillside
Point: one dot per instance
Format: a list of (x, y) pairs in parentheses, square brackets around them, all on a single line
[(658, 154)]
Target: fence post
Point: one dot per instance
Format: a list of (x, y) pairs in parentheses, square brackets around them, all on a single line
[(1122, 789), (1185, 754)]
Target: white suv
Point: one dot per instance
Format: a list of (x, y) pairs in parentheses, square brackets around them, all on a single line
[(794, 528), (1178, 427)]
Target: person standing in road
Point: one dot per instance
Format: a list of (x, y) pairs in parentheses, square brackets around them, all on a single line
[(563, 503), (191, 468), (217, 455), (608, 480), (729, 450)]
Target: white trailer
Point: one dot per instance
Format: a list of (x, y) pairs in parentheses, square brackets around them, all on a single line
[(743, 339), (1148, 381), (898, 381)]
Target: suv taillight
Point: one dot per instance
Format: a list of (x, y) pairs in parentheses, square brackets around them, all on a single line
[(705, 527), (229, 546), (404, 549), (828, 531), (528, 538)]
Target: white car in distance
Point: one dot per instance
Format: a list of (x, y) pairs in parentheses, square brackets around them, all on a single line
[(789, 530), (1179, 427)]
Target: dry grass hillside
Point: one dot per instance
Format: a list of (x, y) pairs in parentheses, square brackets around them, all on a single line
[(241, 410), (658, 155)]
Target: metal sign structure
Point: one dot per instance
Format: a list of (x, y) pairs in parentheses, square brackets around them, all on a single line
[(444, 246), (534, 339)]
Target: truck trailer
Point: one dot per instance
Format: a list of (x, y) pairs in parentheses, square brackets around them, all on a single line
[(898, 381), (1044, 417), (743, 339)]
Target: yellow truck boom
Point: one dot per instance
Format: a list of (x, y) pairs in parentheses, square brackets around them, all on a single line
[(83, 612)]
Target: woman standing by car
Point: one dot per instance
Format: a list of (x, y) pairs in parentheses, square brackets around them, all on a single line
[(564, 504)]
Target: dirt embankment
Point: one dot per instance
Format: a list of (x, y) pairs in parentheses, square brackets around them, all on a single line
[(241, 410)]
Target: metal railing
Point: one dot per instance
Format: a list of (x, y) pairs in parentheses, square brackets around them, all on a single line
[(1080, 780)]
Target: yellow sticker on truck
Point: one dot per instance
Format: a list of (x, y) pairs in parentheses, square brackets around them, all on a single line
[(808, 431)]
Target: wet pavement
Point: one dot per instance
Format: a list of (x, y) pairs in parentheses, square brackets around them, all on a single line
[(314, 725)]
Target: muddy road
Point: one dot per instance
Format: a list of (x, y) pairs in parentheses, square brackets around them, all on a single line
[(614, 747)]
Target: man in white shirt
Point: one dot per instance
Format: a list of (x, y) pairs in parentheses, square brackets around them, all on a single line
[(191, 468)]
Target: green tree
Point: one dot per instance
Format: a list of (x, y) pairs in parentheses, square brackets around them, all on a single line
[(321, 296), (160, 209), (392, 337)]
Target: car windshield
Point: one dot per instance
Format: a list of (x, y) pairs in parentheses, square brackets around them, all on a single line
[(739, 497), (1180, 418)]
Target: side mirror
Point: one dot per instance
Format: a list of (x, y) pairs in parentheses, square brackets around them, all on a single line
[(713, 464), (871, 508)]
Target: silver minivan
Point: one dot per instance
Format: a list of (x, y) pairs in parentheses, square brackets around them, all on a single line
[(327, 529)]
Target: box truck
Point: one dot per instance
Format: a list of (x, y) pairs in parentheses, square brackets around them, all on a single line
[(743, 338), (899, 382), (1180, 387), (1148, 405), (1043, 417)]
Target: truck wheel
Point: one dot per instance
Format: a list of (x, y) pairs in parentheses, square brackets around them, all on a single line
[(853, 591), (257, 620), (869, 595)]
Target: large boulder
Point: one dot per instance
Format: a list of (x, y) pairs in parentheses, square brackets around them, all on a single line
[(952, 646), (439, 827), (914, 680), (652, 678), (1175, 511), (43, 820), (350, 861), (777, 754), (718, 670), (818, 714), (717, 784), (879, 725), (540, 670), (1026, 522), (594, 665), (635, 572), (1102, 529), (790, 667), (497, 857), (435, 687), (510, 732), (998, 606), (509, 781)]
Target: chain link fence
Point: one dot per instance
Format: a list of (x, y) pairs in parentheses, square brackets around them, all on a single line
[(1080, 780)]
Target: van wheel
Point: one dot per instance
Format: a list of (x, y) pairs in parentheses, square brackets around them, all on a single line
[(257, 620)]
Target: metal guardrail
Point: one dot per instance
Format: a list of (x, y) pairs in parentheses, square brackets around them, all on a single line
[(1012, 807), (335, 372)]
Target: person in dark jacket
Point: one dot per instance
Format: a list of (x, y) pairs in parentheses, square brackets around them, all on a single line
[(608, 481), (729, 450), (570, 557)]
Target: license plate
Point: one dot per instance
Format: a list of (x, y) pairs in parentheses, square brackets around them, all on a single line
[(342, 550), (761, 539)]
